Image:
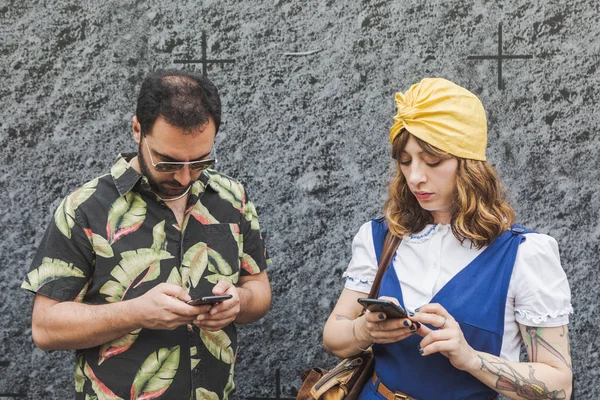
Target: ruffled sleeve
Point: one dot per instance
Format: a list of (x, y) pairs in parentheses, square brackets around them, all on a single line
[(539, 284), (363, 265)]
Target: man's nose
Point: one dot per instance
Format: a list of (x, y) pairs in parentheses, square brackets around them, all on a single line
[(184, 176)]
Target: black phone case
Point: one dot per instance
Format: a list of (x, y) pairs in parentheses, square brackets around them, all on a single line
[(385, 306), (207, 300)]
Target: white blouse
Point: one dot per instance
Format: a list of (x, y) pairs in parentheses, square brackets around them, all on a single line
[(538, 293)]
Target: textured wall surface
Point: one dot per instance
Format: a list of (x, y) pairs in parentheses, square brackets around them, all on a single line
[(307, 134)]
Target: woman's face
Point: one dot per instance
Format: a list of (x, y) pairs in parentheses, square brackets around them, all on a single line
[(431, 179)]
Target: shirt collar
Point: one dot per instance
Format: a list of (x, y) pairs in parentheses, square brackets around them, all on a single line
[(126, 177)]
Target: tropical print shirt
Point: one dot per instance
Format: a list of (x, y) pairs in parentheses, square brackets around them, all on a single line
[(113, 240)]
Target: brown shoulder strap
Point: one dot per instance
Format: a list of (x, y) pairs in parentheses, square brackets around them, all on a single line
[(390, 245)]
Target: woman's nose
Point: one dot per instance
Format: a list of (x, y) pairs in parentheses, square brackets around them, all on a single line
[(416, 174)]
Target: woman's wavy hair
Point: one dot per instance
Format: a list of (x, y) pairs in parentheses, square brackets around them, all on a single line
[(480, 212)]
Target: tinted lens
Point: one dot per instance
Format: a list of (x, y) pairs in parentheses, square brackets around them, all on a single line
[(202, 165), (168, 167)]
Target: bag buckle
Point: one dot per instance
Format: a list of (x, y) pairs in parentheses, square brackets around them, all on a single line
[(400, 396)]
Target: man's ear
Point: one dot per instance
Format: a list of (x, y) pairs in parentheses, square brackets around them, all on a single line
[(137, 129)]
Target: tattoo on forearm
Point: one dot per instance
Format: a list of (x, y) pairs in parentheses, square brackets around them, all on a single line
[(536, 339), (510, 380), (340, 318)]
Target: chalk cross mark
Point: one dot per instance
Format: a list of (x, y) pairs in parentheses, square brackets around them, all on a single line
[(204, 60), (500, 57)]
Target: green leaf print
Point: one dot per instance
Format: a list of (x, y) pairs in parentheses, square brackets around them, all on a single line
[(79, 374), (220, 268), (156, 374), (119, 168), (174, 277), (99, 388), (64, 216), (249, 264), (218, 344), (100, 245), (82, 293), (132, 264), (202, 215), (235, 232), (194, 263), (117, 346), (216, 263), (230, 387), (203, 394), (216, 278), (126, 215), (251, 216), (159, 237), (229, 190), (193, 353), (88, 397), (50, 270)]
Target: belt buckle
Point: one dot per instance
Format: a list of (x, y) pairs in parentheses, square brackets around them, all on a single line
[(400, 396)]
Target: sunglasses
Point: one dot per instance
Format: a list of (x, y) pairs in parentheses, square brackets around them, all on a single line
[(173, 166)]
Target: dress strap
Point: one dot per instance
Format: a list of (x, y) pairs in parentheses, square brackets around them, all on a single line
[(380, 229)]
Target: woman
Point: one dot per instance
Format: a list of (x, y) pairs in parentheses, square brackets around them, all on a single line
[(476, 286)]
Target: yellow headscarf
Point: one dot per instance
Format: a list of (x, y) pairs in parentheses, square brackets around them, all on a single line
[(445, 116)]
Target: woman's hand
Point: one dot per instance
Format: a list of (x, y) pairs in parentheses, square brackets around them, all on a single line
[(377, 328), (447, 339)]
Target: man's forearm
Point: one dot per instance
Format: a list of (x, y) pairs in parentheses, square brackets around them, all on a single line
[(255, 300), (71, 325)]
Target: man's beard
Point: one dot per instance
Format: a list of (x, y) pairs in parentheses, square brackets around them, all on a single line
[(160, 188)]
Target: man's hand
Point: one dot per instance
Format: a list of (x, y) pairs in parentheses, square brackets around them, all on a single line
[(222, 314), (164, 307)]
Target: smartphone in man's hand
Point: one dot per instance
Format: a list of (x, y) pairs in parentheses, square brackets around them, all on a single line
[(206, 300)]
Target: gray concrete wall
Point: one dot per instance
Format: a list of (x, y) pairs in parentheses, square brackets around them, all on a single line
[(307, 134)]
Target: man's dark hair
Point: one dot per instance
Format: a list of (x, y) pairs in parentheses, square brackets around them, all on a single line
[(184, 99)]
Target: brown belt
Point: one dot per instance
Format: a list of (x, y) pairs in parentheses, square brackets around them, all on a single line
[(387, 393)]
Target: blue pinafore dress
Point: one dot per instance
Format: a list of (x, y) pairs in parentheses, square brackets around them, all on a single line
[(476, 298)]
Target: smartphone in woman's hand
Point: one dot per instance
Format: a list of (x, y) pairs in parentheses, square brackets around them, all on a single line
[(390, 309)]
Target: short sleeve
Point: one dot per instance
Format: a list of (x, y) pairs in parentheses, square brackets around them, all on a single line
[(541, 290), (254, 253), (363, 265), (63, 264)]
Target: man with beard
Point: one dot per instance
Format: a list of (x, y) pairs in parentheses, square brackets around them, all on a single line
[(127, 251)]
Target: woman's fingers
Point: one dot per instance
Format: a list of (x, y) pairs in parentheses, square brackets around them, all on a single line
[(388, 330), (433, 315), (375, 316), (434, 320)]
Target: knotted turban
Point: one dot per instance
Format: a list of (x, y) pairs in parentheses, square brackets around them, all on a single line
[(444, 115)]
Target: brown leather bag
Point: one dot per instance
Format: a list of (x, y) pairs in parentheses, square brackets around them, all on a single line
[(346, 380)]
